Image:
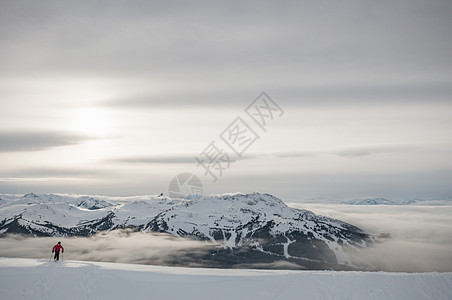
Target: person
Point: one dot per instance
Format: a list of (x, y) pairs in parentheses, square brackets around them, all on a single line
[(57, 249)]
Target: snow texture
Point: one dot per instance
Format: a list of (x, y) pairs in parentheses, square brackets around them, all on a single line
[(41, 279)]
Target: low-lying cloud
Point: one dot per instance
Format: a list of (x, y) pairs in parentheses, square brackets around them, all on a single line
[(420, 236), (121, 246)]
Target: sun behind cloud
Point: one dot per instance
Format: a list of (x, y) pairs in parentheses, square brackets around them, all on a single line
[(92, 121)]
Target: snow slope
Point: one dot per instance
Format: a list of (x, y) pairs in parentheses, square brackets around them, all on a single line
[(41, 279)]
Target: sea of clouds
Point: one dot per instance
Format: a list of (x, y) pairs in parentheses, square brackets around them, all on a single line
[(421, 236)]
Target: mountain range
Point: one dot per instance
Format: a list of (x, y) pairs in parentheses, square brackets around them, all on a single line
[(245, 230)]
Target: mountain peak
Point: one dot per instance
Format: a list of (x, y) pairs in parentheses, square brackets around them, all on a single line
[(250, 199), (30, 196), (91, 203)]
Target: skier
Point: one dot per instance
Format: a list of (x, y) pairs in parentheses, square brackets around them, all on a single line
[(57, 249)]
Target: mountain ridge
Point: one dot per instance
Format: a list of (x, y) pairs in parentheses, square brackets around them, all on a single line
[(244, 228)]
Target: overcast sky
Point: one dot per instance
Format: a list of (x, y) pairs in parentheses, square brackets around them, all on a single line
[(117, 98)]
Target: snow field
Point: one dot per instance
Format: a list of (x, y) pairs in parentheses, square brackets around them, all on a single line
[(43, 279)]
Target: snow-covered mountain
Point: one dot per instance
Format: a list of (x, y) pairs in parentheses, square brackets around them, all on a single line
[(52, 215), (246, 229), (92, 204)]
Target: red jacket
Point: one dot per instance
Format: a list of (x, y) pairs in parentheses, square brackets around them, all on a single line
[(57, 248)]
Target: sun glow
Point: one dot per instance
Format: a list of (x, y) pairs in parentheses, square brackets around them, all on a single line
[(94, 121)]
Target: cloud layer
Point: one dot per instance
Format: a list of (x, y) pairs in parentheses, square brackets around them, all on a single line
[(117, 246), (359, 79), (420, 235)]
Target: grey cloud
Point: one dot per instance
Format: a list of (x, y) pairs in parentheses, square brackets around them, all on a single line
[(51, 172), (33, 141), (367, 94), (232, 43), (331, 95), (183, 99), (157, 159), (189, 158), (346, 152), (163, 159), (365, 150), (352, 151)]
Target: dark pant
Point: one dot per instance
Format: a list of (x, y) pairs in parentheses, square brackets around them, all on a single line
[(57, 255)]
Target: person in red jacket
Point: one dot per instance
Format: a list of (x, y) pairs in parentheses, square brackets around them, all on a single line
[(57, 249)]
